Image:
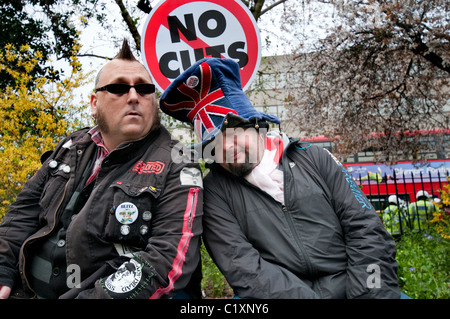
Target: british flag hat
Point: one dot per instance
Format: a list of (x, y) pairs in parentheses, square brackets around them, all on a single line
[(209, 95)]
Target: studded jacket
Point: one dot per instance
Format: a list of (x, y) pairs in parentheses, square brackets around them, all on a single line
[(137, 233), (326, 241)]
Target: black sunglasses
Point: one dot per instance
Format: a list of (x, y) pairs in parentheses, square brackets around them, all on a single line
[(121, 88)]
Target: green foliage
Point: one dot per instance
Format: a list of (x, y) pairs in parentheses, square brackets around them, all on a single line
[(214, 284), (33, 118), (424, 269), (44, 26)]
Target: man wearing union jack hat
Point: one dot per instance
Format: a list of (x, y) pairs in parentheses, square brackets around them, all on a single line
[(282, 219)]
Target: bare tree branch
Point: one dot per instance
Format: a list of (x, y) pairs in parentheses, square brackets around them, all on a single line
[(423, 50), (130, 24), (273, 5), (94, 56)]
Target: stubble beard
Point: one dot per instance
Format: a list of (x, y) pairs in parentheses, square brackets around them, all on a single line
[(100, 121), (241, 169)]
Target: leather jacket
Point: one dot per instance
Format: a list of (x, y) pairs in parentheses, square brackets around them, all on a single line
[(140, 220)]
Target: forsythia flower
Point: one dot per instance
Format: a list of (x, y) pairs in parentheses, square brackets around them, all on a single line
[(34, 115), (442, 217)]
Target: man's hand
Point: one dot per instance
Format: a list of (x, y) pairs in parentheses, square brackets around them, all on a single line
[(4, 292)]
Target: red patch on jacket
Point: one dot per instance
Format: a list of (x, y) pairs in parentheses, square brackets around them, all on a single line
[(142, 167)]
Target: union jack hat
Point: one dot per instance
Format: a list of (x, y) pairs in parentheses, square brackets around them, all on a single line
[(208, 95)]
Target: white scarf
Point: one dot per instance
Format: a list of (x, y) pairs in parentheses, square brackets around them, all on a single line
[(266, 174)]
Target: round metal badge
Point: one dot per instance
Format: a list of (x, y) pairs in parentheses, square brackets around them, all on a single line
[(143, 230), (53, 164), (124, 230), (192, 81), (147, 215)]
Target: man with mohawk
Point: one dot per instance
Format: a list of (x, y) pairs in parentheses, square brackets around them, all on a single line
[(110, 214)]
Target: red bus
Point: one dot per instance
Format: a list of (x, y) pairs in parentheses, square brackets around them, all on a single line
[(404, 178)]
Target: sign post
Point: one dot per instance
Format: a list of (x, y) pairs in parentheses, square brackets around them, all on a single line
[(178, 33)]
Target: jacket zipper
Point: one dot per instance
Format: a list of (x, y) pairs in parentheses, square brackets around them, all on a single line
[(43, 235), (288, 217), (289, 220), (192, 202), (193, 193), (309, 266), (297, 240)]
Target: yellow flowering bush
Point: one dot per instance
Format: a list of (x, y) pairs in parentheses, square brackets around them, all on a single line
[(441, 218), (34, 115)]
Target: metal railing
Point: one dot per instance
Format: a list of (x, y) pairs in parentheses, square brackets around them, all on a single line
[(411, 214)]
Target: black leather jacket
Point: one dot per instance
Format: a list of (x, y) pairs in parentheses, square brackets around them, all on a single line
[(164, 233)]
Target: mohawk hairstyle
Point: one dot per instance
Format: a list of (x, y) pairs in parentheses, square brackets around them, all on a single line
[(125, 52)]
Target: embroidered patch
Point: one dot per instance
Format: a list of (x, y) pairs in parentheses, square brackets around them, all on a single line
[(142, 167), (126, 278), (191, 176), (130, 281)]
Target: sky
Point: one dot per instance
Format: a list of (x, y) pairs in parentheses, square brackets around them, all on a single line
[(98, 40)]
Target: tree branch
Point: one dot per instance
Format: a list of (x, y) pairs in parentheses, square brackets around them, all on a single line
[(94, 56), (422, 49), (433, 58), (257, 9), (273, 5), (130, 23)]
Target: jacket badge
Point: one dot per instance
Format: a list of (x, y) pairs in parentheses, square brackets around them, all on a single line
[(191, 176), (126, 213), (126, 278), (142, 167)]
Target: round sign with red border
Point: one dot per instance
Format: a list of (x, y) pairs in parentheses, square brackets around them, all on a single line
[(178, 33)]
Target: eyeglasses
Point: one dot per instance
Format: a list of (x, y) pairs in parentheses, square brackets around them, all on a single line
[(121, 88)]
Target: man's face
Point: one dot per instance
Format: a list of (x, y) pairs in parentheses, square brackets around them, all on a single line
[(123, 117), (239, 150)]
